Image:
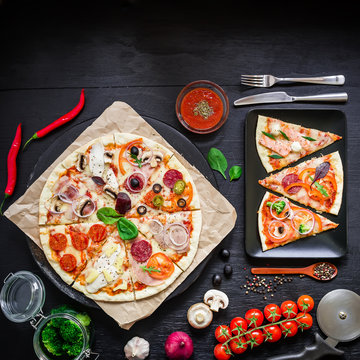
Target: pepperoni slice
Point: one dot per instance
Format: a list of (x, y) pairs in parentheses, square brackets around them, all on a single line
[(58, 242), (171, 177), (68, 262), (79, 240), (290, 179), (141, 250), (97, 233)]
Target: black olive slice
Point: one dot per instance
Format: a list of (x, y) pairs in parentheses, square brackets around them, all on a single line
[(181, 203), (281, 229), (134, 151), (135, 183), (141, 210), (157, 188)]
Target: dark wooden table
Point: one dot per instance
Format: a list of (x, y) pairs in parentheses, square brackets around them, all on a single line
[(143, 53)]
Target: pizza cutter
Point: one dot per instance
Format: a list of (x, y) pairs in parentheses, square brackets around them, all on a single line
[(338, 316)]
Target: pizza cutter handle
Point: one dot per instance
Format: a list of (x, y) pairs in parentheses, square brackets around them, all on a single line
[(312, 352)]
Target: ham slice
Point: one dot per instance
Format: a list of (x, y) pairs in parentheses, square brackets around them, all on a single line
[(280, 147), (141, 275)]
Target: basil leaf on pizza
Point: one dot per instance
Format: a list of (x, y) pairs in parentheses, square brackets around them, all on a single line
[(127, 229), (108, 215)]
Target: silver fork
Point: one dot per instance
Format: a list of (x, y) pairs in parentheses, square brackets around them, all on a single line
[(270, 80)]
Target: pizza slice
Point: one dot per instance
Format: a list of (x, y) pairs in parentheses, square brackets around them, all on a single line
[(317, 183), (176, 235), (106, 276), (280, 143), (281, 222)]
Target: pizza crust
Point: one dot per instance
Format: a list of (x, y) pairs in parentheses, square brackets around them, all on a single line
[(262, 150)]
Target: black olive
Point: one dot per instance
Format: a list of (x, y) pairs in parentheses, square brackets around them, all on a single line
[(134, 151), (225, 254), (157, 188), (141, 210), (216, 279), (281, 229), (181, 203), (228, 270), (134, 182)]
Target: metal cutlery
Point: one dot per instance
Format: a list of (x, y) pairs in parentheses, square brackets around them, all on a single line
[(270, 80), (281, 96)]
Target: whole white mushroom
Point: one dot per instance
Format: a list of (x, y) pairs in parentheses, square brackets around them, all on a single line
[(216, 299)]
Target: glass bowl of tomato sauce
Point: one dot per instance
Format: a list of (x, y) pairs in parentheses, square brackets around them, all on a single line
[(202, 107)]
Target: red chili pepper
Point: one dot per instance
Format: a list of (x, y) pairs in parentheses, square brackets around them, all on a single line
[(11, 165), (60, 121)]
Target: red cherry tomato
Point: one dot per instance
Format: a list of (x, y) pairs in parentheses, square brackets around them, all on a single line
[(222, 352), (289, 309), (255, 338), (238, 346), (254, 317), (305, 303), (289, 328), (305, 321), (272, 313), (238, 325), (272, 333), (222, 333)]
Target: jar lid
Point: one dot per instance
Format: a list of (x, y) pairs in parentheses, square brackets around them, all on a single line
[(22, 296)]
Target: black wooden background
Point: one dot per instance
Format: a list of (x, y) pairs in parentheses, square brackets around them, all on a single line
[(143, 53)]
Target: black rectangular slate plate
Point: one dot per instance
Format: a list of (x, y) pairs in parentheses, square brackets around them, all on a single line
[(327, 245)]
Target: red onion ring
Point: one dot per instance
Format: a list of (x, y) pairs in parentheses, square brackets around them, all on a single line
[(75, 203), (131, 160), (63, 197), (159, 223), (312, 225), (287, 205), (170, 241), (277, 236), (128, 182), (49, 202)]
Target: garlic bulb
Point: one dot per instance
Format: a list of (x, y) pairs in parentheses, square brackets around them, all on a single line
[(137, 349)]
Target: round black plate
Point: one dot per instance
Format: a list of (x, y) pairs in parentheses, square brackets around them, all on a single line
[(182, 144)]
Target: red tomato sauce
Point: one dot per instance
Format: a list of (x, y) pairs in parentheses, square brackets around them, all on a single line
[(201, 108)]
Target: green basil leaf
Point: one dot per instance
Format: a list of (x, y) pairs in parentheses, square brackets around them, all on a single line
[(319, 187), (108, 215), (276, 156), (309, 138), (284, 135), (269, 135), (235, 172), (217, 161), (127, 229)]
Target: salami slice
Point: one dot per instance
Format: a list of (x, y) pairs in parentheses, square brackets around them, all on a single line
[(58, 242), (79, 240), (291, 179), (171, 177), (68, 262), (141, 250), (97, 232)]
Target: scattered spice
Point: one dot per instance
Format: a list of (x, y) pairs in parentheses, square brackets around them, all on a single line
[(324, 271), (203, 109)]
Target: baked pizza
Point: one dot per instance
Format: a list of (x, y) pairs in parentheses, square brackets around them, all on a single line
[(317, 183), (120, 218), (280, 143), (281, 222)]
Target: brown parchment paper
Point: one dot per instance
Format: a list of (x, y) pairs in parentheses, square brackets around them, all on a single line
[(218, 214)]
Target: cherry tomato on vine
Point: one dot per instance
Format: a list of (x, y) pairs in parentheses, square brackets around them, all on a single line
[(289, 328), (255, 338), (305, 303), (289, 309), (254, 317), (305, 321), (238, 346), (238, 325), (222, 352), (272, 333), (272, 312), (222, 333)]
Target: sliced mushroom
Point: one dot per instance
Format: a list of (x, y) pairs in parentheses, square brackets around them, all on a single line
[(108, 157), (146, 156), (157, 157), (199, 316), (81, 162), (55, 205), (216, 300), (108, 190)]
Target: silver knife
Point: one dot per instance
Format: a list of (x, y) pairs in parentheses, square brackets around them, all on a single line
[(281, 96)]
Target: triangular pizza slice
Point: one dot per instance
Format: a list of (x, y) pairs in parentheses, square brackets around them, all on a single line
[(280, 143), (281, 222), (317, 183)]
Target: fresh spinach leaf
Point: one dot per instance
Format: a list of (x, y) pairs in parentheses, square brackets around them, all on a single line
[(217, 161), (108, 215), (127, 229), (235, 172)]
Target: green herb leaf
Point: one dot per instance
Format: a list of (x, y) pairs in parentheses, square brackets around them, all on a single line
[(137, 160), (127, 229), (149, 269), (108, 215), (276, 156), (303, 228), (284, 135), (217, 161), (319, 187), (235, 172), (309, 138), (269, 135)]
